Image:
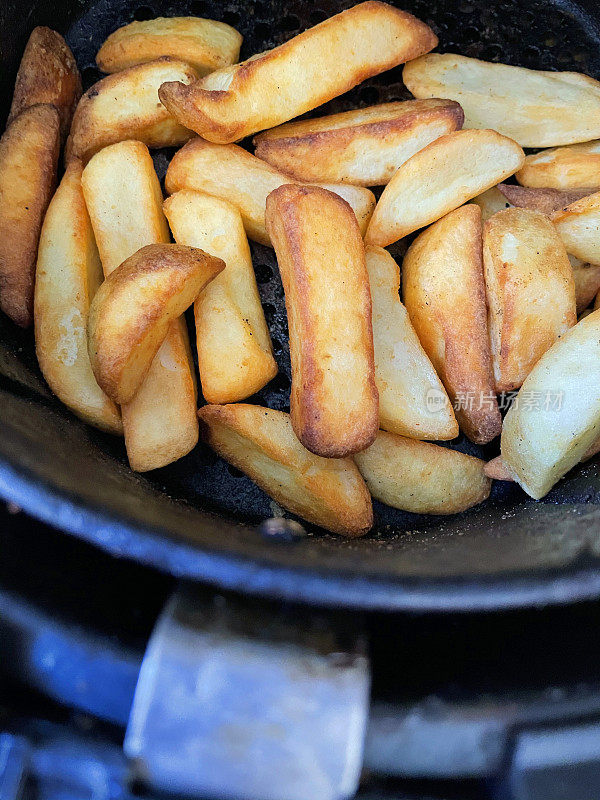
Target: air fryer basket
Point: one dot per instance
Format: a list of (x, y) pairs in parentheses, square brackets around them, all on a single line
[(198, 517)]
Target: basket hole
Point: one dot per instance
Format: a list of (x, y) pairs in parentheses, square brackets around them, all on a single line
[(262, 31), (89, 76), (231, 18), (269, 310), (280, 383), (369, 95), (198, 8), (143, 13), (234, 471), (264, 273), (317, 15), (289, 23), (277, 346)]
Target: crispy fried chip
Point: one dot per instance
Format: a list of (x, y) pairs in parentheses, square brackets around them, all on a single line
[(530, 292), (235, 358), (301, 74), (535, 108), (133, 309), (67, 276), (124, 200), (126, 106), (364, 147), (438, 179), (565, 168), (579, 228), (261, 442), (203, 43), (334, 403), (444, 293), (422, 477), (412, 399), (28, 158), (233, 174), (47, 74)]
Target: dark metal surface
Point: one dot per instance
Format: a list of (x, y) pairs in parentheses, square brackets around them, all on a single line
[(197, 518)]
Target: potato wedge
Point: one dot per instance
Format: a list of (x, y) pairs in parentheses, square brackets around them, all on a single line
[(126, 106), (543, 440), (235, 358), (334, 403), (444, 294), (576, 166), (530, 292), (422, 477), (412, 399), (68, 275), (124, 200), (28, 159), (301, 74), (233, 174), (205, 44), (579, 228), (364, 147), (490, 202), (497, 470), (535, 108), (132, 311), (440, 178), (546, 201), (47, 74), (328, 492), (587, 282)]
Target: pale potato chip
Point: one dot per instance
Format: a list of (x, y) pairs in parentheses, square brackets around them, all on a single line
[(422, 477), (535, 108), (440, 178)]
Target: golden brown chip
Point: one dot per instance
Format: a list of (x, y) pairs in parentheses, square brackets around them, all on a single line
[(28, 158), (587, 282), (438, 179), (133, 309), (579, 228), (47, 74), (203, 43), (412, 399), (67, 277), (576, 166), (444, 293), (126, 106), (261, 442), (422, 477), (334, 403), (364, 147), (530, 292), (301, 74), (235, 358), (233, 174), (124, 200)]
